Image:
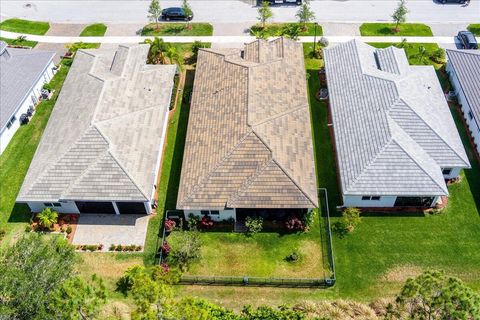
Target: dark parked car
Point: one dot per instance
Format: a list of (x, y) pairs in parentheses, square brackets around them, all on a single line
[(467, 40), (175, 14), (272, 2), (452, 1)]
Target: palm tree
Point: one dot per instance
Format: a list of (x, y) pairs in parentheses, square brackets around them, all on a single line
[(47, 218), (174, 55), (156, 54)]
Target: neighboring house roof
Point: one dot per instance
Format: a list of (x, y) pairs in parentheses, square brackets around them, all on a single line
[(103, 139), (393, 127), (20, 70), (466, 64), (249, 140)]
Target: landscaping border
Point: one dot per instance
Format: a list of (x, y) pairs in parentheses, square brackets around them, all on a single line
[(326, 243)]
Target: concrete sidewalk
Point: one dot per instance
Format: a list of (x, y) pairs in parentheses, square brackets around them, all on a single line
[(219, 39)]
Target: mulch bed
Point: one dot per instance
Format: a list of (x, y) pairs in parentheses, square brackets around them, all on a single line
[(64, 220)]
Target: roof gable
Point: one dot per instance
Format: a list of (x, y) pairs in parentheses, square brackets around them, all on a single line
[(248, 102), (376, 98)]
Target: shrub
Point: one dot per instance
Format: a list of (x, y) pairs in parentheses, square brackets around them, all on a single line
[(47, 86), (3, 233), (352, 218), (186, 251), (119, 247), (292, 257), (308, 219), (47, 218), (112, 247), (294, 224), (28, 228), (438, 55), (165, 248), (196, 46), (138, 248), (193, 222), (254, 225), (206, 222), (169, 225), (69, 229)]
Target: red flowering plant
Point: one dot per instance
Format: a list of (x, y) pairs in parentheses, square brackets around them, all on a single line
[(169, 225), (294, 224), (165, 248), (165, 267), (206, 222)]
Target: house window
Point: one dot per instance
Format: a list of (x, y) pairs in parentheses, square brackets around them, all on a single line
[(446, 171), (470, 115), (57, 204), (215, 212), (205, 212), (12, 121), (48, 204), (368, 198)]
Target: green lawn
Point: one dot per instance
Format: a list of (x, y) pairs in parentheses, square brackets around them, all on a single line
[(94, 30), (278, 29), (375, 260), (20, 42), (387, 29), (475, 29), (260, 255), (413, 52), (25, 26), (15, 160), (177, 29)]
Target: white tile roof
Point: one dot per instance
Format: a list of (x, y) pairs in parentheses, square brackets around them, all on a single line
[(104, 135), (393, 128), (20, 70)]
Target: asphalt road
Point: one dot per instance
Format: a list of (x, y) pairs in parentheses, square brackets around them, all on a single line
[(128, 11)]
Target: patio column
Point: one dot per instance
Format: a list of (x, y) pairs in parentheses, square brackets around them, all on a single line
[(115, 207)]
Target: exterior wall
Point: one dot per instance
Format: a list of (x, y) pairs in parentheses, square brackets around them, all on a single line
[(66, 207), (356, 201), (224, 214), (160, 153), (473, 126), (453, 174), (7, 134)]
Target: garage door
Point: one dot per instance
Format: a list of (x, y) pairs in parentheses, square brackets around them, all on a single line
[(131, 207), (95, 207)]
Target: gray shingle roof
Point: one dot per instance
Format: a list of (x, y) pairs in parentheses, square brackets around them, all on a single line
[(20, 70), (466, 64), (104, 135), (249, 142), (393, 128)]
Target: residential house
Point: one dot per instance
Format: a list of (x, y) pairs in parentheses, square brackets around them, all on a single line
[(249, 148), (395, 139), (463, 67), (102, 147), (23, 73)]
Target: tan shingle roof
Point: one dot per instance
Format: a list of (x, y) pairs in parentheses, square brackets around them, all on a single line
[(249, 142)]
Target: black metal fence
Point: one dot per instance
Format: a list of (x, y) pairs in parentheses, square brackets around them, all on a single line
[(327, 252)]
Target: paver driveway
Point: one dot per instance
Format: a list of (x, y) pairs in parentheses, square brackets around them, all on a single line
[(124, 229)]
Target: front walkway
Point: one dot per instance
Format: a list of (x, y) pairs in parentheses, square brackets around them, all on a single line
[(108, 229)]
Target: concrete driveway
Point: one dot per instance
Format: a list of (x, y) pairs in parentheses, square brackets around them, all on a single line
[(124, 229), (60, 29)]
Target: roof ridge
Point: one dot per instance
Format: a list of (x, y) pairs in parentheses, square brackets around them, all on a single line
[(248, 182), (118, 162), (279, 115), (281, 168), (374, 158), (418, 164), (429, 126), (217, 165), (62, 156)]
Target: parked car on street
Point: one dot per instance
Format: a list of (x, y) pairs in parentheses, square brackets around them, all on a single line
[(272, 2), (452, 1), (467, 40), (175, 13)]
